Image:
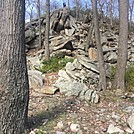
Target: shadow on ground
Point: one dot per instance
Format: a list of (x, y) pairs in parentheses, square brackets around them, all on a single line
[(48, 115)]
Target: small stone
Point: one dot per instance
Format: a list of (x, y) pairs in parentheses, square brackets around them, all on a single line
[(48, 90), (60, 125), (129, 131), (58, 132), (75, 127), (32, 132), (113, 129), (130, 121)]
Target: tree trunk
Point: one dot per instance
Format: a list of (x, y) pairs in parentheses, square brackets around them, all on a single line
[(111, 12), (88, 42), (119, 81), (102, 79), (68, 4), (39, 18), (14, 88), (131, 6), (47, 50), (77, 9)]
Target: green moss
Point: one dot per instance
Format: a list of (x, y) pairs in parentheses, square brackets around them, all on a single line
[(112, 73), (39, 132), (54, 64), (130, 77)]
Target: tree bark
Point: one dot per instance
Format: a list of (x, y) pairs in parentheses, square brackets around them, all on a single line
[(131, 7), (111, 12), (102, 79), (39, 18), (88, 42), (14, 88), (119, 81), (47, 50), (77, 9)]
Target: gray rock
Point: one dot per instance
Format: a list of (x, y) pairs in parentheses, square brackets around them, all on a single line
[(64, 75), (69, 32), (129, 131), (88, 95), (112, 58), (29, 35), (36, 79), (114, 130), (62, 53), (130, 121), (70, 66), (55, 41), (33, 62), (71, 88), (59, 132), (88, 64), (77, 65), (95, 97), (66, 45)]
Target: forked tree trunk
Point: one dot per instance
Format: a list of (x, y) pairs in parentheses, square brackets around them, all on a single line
[(102, 79), (47, 50), (119, 81), (14, 89)]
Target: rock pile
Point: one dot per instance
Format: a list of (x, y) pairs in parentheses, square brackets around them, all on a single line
[(69, 38)]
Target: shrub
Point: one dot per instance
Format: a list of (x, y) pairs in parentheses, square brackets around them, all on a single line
[(54, 64)]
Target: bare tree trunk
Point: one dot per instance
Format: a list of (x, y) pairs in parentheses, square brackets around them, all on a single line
[(47, 51), (111, 12), (131, 7), (88, 42), (102, 79), (119, 81), (14, 88), (39, 19), (77, 9), (68, 4)]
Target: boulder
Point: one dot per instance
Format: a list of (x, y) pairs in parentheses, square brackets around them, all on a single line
[(66, 45), (130, 121), (88, 63), (92, 54), (36, 79)]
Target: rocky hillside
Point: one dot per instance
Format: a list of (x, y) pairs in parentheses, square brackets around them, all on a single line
[(70, 38)]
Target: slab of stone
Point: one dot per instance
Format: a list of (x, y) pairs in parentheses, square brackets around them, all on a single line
[(130, 121), (88, 64)]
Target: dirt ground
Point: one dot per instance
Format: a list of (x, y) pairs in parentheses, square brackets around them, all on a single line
[(49, 114)]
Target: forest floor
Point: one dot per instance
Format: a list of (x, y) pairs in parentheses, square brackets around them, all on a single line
[(50, 114)]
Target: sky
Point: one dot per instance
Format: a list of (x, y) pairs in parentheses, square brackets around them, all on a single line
[(83, 4)]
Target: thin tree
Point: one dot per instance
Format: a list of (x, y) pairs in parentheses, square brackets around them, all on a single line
[(47, 50), (131, 8), (111, 12), (102, 79), (14, 88), (77, 9), (119, 81), (39, 20), (68, 4)]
